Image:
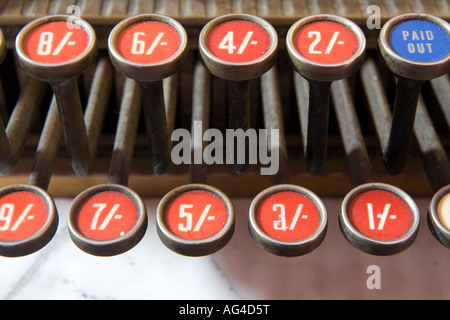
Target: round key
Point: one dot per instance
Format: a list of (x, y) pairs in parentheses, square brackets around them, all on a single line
[(379, 219), (439, 215), (107, 220), (416, 48), (238, 48), (28, 220), (195, 220), (326, 47), (57, 49), (323, 48), (149, 48), (287, 220)]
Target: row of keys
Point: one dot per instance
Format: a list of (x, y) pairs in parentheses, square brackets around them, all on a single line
[(197, 219), (323, 49)]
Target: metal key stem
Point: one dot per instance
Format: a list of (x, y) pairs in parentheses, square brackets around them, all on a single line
[(405, 105)]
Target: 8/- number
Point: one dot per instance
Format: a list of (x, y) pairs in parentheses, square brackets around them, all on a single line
[(46, 44)]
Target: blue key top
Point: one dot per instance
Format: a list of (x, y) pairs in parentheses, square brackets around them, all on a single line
[(420, 40)]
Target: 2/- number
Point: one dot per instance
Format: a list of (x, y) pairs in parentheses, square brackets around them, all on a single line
[(317, 37), (248, 309)]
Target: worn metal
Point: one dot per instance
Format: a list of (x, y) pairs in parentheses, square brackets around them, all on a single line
[(13, 138), (239, 115), (405, 105), (272, 109), (124, 141), (358, 160), (434, 157), (200, 114)]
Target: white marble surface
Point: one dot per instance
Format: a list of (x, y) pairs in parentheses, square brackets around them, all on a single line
[(240, 271)]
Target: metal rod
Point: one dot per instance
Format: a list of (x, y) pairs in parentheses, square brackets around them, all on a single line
[(97, 104), (441, 88), (200, 115), (378, 104), (313, 103), (273, 120), (357, 158), (405, 105), (74, 128), (302, 94), (434, 157), (130, 110), (12, 140), (156, 124), (318, 118), (47, 149), (170, 97), (239, 114), (51, 135)]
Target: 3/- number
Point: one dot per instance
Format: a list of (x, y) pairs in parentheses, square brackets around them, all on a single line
[(45, 46), (227, 42), (281, 224), (6, 215)]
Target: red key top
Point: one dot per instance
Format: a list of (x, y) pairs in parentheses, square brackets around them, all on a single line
[(195, 220), (55, 48), (326, 47), (379, 219), (239, 41), (287, 220), (326, 42), (148, 47), (28, 220), (238, 46), (148, 42), (56, 42), (107, 220)]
